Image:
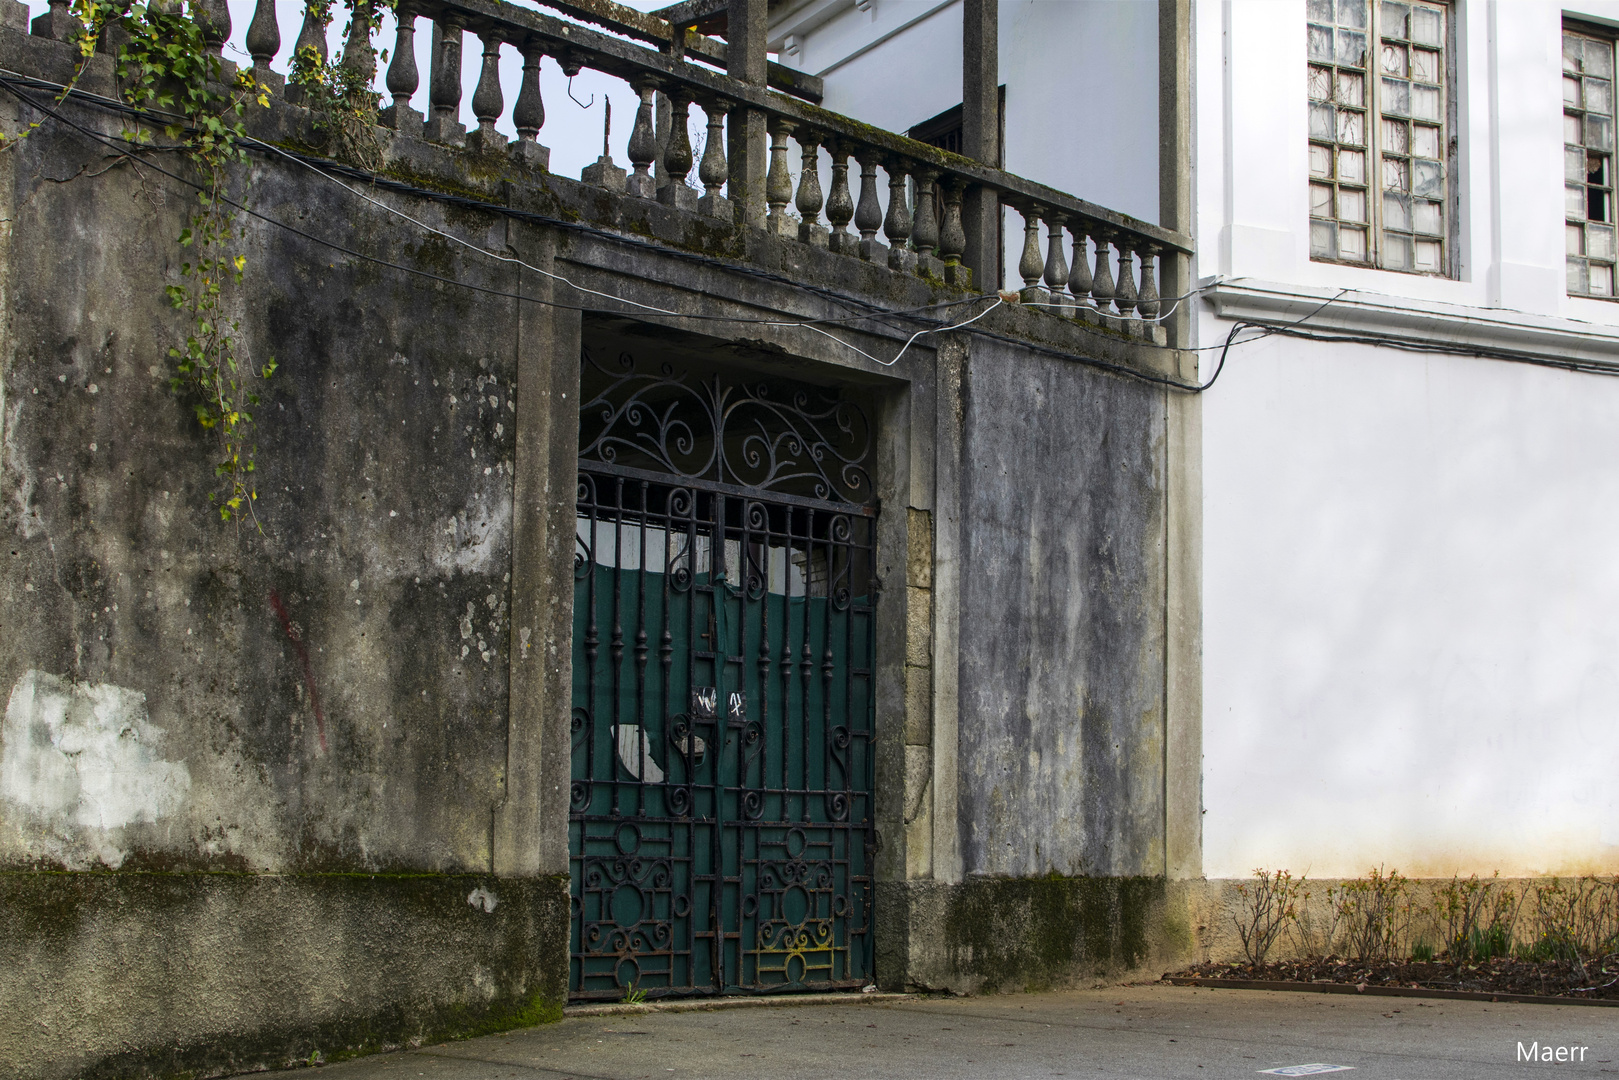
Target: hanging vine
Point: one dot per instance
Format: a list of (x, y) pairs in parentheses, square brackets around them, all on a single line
[(164, 66)]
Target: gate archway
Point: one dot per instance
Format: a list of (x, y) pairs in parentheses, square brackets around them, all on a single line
[(720, 833)]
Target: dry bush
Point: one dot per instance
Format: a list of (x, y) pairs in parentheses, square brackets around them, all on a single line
[(1376, 913), (1267, 905)]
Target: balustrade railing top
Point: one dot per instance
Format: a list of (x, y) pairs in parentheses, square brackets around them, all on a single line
[(922, 223)]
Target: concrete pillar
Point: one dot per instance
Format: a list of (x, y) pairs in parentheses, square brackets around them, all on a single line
[(1183, 622), (531, 821), (981, 137), (748, 147)]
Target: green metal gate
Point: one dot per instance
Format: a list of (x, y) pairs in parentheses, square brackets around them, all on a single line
[(720, 835)]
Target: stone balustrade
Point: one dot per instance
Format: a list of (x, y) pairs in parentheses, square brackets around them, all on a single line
[(1097, 265)]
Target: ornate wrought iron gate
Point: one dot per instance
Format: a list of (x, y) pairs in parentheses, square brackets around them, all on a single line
[(720, 835)]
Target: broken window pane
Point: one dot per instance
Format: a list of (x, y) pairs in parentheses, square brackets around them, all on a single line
[(1571, 91), (1598, 132), (1573, 240), (1393, 18), (1427, 28), (1574, 203), (1351, 49), (1428, 218)]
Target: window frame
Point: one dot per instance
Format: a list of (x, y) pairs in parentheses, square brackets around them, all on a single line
[(1373, 110), (1609, 37)]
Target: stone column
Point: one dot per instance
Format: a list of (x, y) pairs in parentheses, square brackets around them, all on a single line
[(747, 61), (981, 137)]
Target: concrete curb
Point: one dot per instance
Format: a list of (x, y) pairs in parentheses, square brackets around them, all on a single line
[(1385, 991), (710, 1004)]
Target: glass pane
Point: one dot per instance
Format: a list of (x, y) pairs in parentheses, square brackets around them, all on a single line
[(1351, 205), (1321, 43), (1396, 175), (1425, 141), (1573, 240), (1425, 102), (1574, 164), (1598, 132), (1601, 280), (1393, 60), (1396, 252), (1320, 160), (1352, 244), (1429, 219), (1428, 256), (1571, 129), (1571, 91), (1320, 200), (1352, 166), (1574, 203), (1394, 19), (1321, 84), (1320, 10), (1599, 241), (1427, 178), (1571, 53), (1351, 48), (1351, 88), (1321, 123), (1352, 13), (1427, 27), (1321, 239), (1397, 212), (1425, 65), (1397, 97), (1351, 128), (1598, 58), (1576, 275), (1598, 95), (1396, 137)]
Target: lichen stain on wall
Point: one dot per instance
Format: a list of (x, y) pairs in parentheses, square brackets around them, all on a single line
[(85, 756)]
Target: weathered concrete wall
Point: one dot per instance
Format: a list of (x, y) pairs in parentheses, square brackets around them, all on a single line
[(1062, 597)]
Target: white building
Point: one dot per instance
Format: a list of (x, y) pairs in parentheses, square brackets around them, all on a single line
[(1410, 585)]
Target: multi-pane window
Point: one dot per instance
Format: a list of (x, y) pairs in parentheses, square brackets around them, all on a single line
[(1378, 143), (1588, 162)]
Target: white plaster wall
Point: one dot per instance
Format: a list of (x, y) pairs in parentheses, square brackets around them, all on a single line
[(1081, 81), (1411, 599)]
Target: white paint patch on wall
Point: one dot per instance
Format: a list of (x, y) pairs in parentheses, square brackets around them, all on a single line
[(86, 756)]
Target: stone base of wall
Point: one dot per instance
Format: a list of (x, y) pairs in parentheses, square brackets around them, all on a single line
[(990, 935), (137, 975)]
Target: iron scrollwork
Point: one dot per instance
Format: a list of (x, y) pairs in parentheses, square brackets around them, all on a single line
[(793, 440)]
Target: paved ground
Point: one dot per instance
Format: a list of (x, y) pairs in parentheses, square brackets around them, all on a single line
[(1125, 1032)]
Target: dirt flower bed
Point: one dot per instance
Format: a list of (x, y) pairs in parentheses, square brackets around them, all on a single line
[(1498, 975)]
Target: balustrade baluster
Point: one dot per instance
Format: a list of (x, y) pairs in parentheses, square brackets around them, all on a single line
[(1079, 276), (1102, 280), (715, 170), (528, 115), (897, 224), (868, 215), (403, 78), (925, 226), (602, 173), (444, 84), (263, 42), (358, 56), (839, 202), (1147, 298), (643, 148), (810, 229), (57, 22), (312, 34), (1056, 264), (488, 103), (1031, 265), (779, 181), (213, 19), (953, 236), (1124, 295), (677, 156)]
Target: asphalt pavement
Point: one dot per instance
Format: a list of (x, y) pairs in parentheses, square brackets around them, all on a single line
[(1149, 1031)]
